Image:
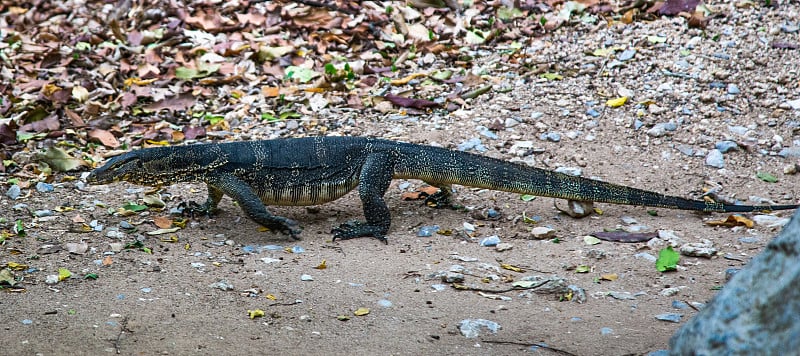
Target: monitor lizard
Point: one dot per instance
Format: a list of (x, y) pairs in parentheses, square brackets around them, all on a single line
[(316, 170)]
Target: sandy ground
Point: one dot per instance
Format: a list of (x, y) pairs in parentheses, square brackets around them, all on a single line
[(164, 302)]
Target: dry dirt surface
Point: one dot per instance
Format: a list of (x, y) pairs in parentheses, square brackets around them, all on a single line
[(201, 289)]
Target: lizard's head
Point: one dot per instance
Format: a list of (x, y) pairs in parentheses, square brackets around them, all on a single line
[(125, 167), (145, 167)]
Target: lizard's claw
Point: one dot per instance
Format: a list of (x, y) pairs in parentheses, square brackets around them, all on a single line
[(353, 229), (286, 226), (438, 200)]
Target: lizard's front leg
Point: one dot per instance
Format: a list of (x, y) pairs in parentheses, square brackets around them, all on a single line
[(243, 194), (373, 181)]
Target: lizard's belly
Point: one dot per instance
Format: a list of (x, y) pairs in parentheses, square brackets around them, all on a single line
[(306, 194)]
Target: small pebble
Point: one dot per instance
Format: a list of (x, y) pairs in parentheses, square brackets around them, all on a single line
[(384, 303), (541, 232), (306, 278), (685, 149), (733, 89), (490, 241), (626, 55), (43, 187), (42, 213), (472, 144), (606, 331), (748, 240), (453, 277), (739, 130), (788, 152), (677, 304), (671, 317), (503, 246), (715, 159), (484, 131), (726, 146), (27, 321), (13, 192), (427, 231), (646, 256), (439, 287), (573, 171), (550, 136)]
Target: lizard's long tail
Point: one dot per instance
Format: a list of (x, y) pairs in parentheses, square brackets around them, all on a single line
[(442, 166)]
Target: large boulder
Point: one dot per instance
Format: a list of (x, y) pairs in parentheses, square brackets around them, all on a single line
[(758, 310)]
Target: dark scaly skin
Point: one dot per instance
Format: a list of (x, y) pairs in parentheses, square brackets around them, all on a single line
[(316, 170)]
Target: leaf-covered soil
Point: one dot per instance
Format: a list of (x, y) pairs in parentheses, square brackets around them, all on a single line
[(637, 94)]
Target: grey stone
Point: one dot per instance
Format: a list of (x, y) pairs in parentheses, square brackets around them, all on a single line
[(755, 313), (714, 159)]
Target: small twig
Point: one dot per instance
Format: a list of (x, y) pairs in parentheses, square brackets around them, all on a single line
[(331, 7), (123, 328), (527, 344)]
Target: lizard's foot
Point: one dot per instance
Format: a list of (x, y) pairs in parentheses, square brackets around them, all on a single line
[(438, 200), (285, 226), (353, 229), (193, 209)]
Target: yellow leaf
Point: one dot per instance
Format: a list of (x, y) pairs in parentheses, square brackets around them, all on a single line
[(157, 143), (255, 313), (271, 297), (16, 266), (603, 52), (361, 311), (617, 102), (609, 276), (511, 267), (406, 79), (322, 265), (63, 274), (731, 221)]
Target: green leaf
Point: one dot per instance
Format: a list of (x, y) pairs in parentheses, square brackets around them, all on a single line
[(591, 240), (214, 119), (90, 276), (551, 76), (289, 115), (301, 74), (266, 53), (583, 269), (134, 207), (475, 37), (769, 178), (186, 73), (667, 260), (269, 117), (508, 13), (59, 160), (527, 197), (330, 69), (6, 276), (19, 228)]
